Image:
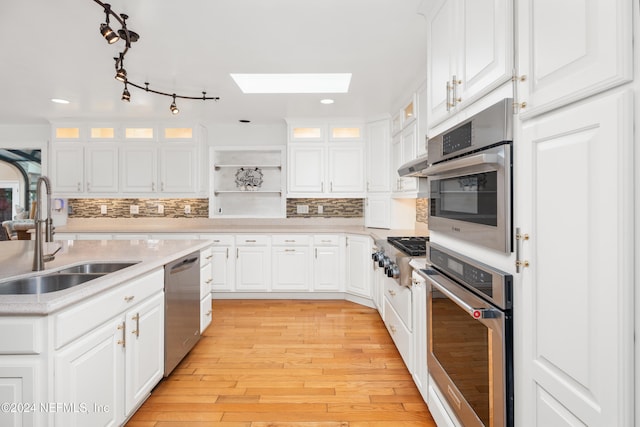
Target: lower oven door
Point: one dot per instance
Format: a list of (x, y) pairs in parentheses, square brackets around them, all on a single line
[(469, 353)]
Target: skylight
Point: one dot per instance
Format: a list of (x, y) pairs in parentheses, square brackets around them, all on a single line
[(293, 83)]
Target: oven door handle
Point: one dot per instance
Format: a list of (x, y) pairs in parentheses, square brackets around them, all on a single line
[(476, 313), (461, 164)]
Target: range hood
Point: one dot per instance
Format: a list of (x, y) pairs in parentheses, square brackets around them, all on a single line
[(414, 167)]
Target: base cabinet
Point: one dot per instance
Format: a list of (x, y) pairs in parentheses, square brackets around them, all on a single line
[(91, 371), (328, 265), (106, 373), (358, 265), (253, 263)]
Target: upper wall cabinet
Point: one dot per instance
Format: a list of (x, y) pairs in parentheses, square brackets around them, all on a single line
[(108, 161), (568, 51), (465, 59), (326, 159)]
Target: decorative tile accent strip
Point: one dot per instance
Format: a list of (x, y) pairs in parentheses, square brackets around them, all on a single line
[(422, 210), (147, 208), (331, 208)]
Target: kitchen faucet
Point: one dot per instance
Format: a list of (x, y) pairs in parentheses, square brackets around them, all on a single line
[(39, 258)]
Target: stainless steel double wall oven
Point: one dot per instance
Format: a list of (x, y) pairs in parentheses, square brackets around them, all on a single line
[(469, 304)]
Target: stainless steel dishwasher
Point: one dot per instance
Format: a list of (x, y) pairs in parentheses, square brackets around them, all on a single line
[(182, 309)]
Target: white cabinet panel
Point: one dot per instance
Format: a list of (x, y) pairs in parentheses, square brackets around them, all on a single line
[(378, 165), (575, 168), (306, 169), (327, 268), (178, 168), (138, 169), (346, 169), (291, 268), (68, 168), (571, 50), (144, 350), (253, 268), (359, 265), (206, 313), (91, 370), (102, 169)]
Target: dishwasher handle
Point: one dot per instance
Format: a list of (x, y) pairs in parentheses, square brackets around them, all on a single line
[(183, 265)]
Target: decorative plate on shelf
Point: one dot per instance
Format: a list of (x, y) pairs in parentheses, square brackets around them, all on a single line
[(249, 178)]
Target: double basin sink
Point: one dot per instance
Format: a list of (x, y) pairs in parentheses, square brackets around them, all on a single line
[(61, 279)]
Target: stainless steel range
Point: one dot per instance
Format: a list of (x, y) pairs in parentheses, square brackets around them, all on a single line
[(395, 253)]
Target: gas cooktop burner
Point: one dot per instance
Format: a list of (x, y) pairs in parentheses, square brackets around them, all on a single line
[(413, 246)]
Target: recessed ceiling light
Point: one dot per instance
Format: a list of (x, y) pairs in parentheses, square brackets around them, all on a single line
[(327, 101), (293, 83), (59, 101)]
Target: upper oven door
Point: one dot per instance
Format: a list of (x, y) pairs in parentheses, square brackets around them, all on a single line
[(470, 197)]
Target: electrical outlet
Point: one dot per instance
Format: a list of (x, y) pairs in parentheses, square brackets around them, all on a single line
[(320, 209), (160, 209), (302, 209), (187, 209), (133, 209), (103, 209)]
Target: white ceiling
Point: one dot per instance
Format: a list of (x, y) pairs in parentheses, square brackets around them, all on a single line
[(53, 49)]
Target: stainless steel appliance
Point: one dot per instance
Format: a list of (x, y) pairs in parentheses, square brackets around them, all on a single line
[(470, 179), (470, 337), (182, 309), (395, 253)]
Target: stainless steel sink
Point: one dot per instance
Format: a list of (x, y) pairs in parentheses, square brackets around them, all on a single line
[(46, 283), (97, 267)]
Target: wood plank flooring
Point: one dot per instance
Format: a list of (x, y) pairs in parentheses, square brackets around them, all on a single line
[(277, 363)]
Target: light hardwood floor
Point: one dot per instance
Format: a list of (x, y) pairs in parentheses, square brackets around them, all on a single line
[(277, 363)]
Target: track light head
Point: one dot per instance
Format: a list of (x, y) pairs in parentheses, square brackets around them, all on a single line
[(110, 36), (173, 107), (126, 96), (121, 75)]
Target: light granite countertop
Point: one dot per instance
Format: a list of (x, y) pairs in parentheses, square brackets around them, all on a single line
[(16, 259)]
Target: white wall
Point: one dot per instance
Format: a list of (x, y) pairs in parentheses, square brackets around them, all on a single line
[(246, 134)]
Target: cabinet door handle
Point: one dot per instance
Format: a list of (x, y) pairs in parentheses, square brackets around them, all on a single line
[(227, 253), (123, 328), (289, 250), (210, 256), (455, 84), (290, 241), (209, 281), (367, 185), (162, 186), (88, 186), (249, 241), (79, 187), (448, 96), (322, 187), (137, 330), (129, 298), (330, 186), (153, 186), (392, 292), (316, 253), (237, 252), (209, 312), (216, 241)]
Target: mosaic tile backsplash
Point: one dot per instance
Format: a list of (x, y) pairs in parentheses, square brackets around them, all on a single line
[(331, 208), (147, 208), (422, 210)]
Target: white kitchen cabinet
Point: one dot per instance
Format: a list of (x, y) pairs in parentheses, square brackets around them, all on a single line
[(78, 169), (568, 51), (144, 364), (206, 282), (222, 261), (110, 352), (378, 149), (469, 53), (318, 169), (404, 149), (253, 263), (170, 168), (328, 263), (138, 168), (91, 370), (291, 263), (419, 312), (575, 172), (377, 211), (326, 166), (358, 265)]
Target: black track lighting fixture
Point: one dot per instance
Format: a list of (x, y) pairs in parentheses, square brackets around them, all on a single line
[(173, 107), (110, 36), (130, 37), (126, 96)]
